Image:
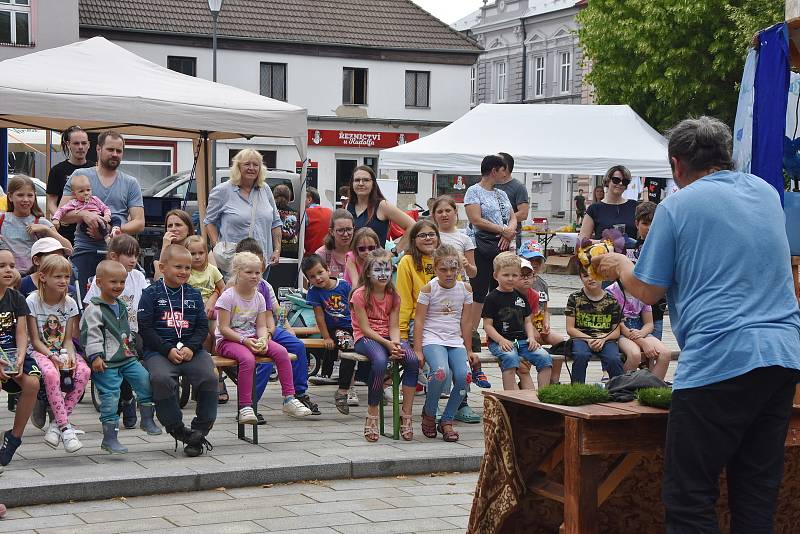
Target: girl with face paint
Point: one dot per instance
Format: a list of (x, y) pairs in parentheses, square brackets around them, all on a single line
[(442, 333), (375, 308), (365, 241), (414, 271)]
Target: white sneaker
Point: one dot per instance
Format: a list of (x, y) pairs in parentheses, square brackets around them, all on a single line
[(247, 416), (71, 442), (295, 408), (53, 435), (352, 397), (387, 396)]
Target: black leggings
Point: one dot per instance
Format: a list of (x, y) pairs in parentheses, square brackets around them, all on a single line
[(484, 280)]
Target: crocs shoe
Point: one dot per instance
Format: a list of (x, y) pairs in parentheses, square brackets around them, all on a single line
[(466, 415)]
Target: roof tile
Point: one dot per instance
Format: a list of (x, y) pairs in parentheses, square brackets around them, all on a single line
[(396, 24)]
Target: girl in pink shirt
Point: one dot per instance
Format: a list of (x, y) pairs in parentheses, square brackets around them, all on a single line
[(376, 328), (364, 241)]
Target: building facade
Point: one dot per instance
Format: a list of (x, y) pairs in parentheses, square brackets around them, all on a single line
[(371, 75), (531, 56), (28, 26)]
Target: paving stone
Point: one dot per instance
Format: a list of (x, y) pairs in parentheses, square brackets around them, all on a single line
[(239, 527), (316, 520), (270, 512), (321, 530), (351, 495), (276, 489), (445, 489), (75, 508), (409, 502), (459, 521), (397, 514), (188, 497), (17, 525), (458, 478), (133, 513), (338, 506), (131, 525), (397, 527), (366, 483), (255, 502)]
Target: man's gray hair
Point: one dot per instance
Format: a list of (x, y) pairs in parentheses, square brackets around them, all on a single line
[(702, 143)]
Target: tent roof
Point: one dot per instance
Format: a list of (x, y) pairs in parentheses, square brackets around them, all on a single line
[(98, 85), (548, 138)]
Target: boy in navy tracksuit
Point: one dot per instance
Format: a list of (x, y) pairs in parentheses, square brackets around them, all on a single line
[(173, 326)]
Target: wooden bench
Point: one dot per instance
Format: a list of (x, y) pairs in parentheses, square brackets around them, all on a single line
[(395, 371), (220, 362)]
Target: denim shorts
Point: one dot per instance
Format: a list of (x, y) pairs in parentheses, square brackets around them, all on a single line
[(634, 323), (539, 358)]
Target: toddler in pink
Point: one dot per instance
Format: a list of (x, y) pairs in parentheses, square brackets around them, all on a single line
[(83, 200)]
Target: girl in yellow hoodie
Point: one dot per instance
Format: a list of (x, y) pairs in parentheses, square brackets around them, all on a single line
[(414, 271)]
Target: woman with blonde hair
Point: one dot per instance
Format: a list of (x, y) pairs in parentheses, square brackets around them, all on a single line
[(243, 207)]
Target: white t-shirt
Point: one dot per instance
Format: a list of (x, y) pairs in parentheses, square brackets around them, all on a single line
[(51, 320), (134, 285), (458, 239)]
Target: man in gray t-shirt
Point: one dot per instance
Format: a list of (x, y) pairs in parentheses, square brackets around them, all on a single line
[(119, 191), (517, 194)]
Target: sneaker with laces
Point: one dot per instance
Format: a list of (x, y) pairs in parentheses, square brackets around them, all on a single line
[(9, 447), (295, 408), (352, 397), (480, 379), (53, 435), (71, 442), (247, 416), (308, 403)]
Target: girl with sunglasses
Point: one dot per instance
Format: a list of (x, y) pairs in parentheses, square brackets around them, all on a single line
[(337, 243), (614, 210), (365, 241)]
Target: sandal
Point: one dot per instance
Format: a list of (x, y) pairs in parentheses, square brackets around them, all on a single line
[(223, 397), (448, 433), (428, 425), (406, 431), (340, 400), (371, 428)]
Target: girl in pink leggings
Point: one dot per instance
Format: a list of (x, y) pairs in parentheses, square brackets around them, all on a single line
[(242, 332), (51, 325)]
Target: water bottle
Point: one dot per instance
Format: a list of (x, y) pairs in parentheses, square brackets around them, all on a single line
[(67, 384)]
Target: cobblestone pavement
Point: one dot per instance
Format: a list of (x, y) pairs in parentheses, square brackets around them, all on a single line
[(426, 503)]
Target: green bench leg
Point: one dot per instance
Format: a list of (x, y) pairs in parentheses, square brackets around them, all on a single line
[(395, 371), (241, 428)]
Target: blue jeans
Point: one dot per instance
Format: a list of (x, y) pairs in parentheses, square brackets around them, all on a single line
[(86, 261), (379, 358), (539, 358), (658, 329), (299, 366), (445, 363), (108, 384), (581, 353)]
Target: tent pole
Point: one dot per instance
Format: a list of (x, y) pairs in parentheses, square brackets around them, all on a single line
[(4, 158), (202, 179)]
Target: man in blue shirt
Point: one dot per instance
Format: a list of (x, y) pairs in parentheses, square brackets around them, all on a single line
[(719, 251)]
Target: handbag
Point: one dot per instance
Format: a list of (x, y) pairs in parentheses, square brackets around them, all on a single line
[(224, 251), (487, 244)]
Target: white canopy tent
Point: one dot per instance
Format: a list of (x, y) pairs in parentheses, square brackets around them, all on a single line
[(100, 85), (546, 138)]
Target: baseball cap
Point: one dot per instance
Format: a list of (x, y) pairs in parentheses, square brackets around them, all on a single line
[(46, 245), (525, 264), (531, 249)]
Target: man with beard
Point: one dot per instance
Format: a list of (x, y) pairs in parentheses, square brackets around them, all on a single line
[(119, 191)]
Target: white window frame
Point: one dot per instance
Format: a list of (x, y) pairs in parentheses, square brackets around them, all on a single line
[(565, 71), (500, 79), (539, 80), (473, 85), (166, 147), (14, 7)]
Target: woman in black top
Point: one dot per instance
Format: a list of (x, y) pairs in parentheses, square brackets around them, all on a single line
[(614, 209), (371, 209)]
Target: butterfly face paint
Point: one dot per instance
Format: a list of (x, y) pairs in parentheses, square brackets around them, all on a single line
[(446, 271), (381, 271)]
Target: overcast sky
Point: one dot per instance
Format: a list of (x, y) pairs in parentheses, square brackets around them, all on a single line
[(449, 11)]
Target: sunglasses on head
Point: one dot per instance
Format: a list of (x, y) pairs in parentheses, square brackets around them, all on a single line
[(366, 248), (617, 180)]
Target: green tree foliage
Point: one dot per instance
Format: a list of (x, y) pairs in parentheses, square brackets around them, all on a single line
[(669, 59)]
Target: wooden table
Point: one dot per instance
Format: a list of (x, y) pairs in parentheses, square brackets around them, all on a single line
[(586, 469)]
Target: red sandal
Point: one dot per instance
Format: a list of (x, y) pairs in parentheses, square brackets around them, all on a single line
[(428, 425)]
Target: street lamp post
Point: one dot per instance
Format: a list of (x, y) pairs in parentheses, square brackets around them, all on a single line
[(215, 6)]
